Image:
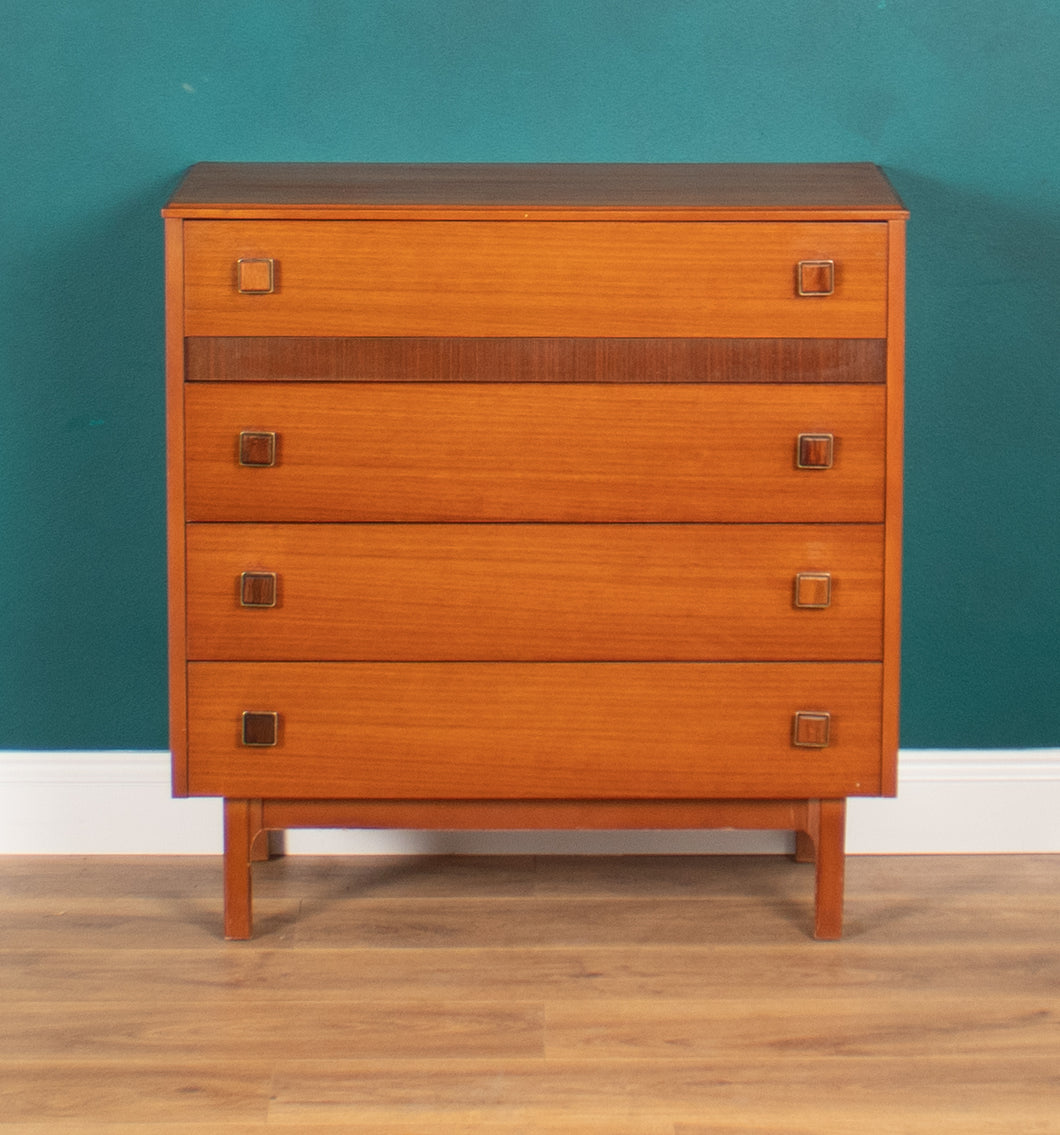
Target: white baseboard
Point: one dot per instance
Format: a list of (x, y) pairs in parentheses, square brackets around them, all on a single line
[(118, 803)]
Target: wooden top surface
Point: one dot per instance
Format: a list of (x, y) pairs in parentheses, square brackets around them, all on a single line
[(590, 191)]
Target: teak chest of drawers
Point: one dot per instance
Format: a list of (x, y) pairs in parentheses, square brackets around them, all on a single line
[(539, 496)]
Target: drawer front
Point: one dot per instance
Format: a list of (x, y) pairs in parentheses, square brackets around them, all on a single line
[(535, 731), (478, 452), (534, 592), (554, 278)]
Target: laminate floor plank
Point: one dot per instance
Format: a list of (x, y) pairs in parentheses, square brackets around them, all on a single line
[(60, 1126), (121, 922), (516, 923), (188, 1031), (868, 876), (635, 921), (242, 974), (530, 996), (172, 876), (897, 1118), (678, 1089), (368, 1124), (134, 1092), (884, 1025), (503, 923), (400, 876)]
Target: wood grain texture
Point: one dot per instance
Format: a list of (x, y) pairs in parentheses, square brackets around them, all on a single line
[(534, 592), (544, 347), (538, 815), (537, 278), (239, 835), (564, 1013), (894, 491), (722, 1087), (175, 599), (596, 189), (60, 1093), (451, 452), (264, 358), (827, 831), (730, 1027), (533, 731), (139, 1030)]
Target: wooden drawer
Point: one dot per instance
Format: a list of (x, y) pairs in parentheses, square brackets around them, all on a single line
[(534, 592), (534, 731), (454, 451), (554, 278)]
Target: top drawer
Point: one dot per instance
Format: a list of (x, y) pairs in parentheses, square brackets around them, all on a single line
[(556, 278)]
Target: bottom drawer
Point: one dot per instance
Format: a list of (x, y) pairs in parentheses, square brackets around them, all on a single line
[(533, 730)]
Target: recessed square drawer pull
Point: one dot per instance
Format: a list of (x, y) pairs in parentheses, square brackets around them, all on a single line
[(260, 729), (811, 730), (816, 277), (813, 589), (257, 448), (815, 451), (255, 276), (257, 589)]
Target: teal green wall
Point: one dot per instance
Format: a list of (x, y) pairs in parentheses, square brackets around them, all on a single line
[(104, 102)]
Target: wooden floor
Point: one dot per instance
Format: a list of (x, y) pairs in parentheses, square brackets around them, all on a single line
[(617, 996)]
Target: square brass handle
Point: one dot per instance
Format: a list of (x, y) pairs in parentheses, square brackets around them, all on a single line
[(815, 278), (813, 590), (814, 451), (257, 448), (811, 730), (261, 729), (256, 276), (257, 589)]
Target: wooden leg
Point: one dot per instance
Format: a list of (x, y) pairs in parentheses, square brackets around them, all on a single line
[(805, 852), (259, 837), (829, 837), (239, 835), (265, 844)]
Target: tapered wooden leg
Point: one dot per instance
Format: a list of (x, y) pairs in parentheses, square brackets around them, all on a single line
[(239, 835), (829, 837)]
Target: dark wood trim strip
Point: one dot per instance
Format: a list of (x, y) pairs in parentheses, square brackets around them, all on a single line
[(319, 359)]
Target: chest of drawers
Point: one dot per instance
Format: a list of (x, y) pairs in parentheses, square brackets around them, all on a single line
[(534, 497)]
